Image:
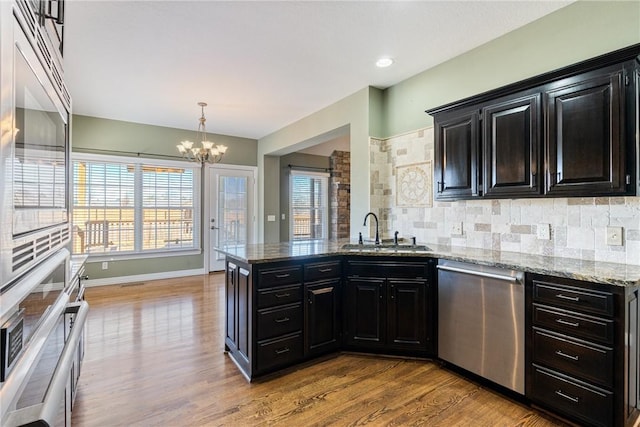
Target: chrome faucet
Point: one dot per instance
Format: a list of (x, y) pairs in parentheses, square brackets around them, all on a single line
[(377, 242)]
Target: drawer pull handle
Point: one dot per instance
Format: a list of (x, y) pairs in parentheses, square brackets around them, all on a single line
[(282, 350), (566, 396), (324, 270), (574, 299), (567, 356), (282, 276), (282, 320), (284, 295), (564, 322)]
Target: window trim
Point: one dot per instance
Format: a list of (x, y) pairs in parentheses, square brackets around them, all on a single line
[(325, 220), (138, 253)]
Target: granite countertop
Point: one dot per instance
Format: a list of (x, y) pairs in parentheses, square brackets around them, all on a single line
[(592, 271)]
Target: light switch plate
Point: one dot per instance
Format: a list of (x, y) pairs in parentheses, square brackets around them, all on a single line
[(543, 231), (271, 218), (614, 236), (105, 265), (456, 229)]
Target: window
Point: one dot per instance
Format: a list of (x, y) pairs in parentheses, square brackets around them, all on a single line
[(308, 212), (133, 205)]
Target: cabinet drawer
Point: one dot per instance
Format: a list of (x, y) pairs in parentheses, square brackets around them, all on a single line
[(590, 328), (279, 321), (391, 270), (574, 298), (269, 278), (589, 404), (575, 358), (279, 296), (279, 352), (322, 271)]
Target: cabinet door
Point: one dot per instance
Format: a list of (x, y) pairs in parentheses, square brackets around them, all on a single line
[(365, 318), (322, 325), (230, 300), (244, 312), (511, 141), (456, 156), (585, 135), (407, 323), (632, 377)]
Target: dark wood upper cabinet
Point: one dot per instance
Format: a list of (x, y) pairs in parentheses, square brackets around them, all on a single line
[(584, 135), (567, 133), (511, 144), (456, 153)]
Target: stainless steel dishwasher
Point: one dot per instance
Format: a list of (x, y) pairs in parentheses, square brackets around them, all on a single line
[(481, 321)]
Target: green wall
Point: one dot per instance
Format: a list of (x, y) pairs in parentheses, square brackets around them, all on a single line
[(132, 267), (580, 31), (91, 133), (298, 159), (94, 133), (351, 115)]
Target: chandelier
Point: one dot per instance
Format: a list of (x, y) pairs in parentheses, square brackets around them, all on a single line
[(207, 152)]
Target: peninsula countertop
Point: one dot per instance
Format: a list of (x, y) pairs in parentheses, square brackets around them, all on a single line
[(592, 271)]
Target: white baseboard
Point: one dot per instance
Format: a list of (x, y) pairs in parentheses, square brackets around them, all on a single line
[(142, 277)]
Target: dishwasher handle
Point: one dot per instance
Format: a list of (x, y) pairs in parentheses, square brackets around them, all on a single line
[(517, 279)]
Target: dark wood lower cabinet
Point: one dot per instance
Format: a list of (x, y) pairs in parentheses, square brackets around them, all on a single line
[(582, 353), (390, 306), (322, 317), (582, 350), (276, 317), (365, 315), (238, 288), (407, 321)]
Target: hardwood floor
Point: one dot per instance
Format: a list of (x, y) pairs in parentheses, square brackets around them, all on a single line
[(155, 356)]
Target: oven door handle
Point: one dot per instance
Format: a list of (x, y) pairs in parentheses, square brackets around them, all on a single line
[(48, 409)]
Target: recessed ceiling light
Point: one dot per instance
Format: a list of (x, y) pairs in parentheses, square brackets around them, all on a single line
[(384, 62)]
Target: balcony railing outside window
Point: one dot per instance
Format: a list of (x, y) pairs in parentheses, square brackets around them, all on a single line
[(123, 205)]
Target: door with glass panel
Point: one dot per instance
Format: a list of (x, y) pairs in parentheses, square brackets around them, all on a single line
[(231, 219)]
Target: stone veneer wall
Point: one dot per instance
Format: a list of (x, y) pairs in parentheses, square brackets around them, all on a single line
[(577, 224), (340, 193)]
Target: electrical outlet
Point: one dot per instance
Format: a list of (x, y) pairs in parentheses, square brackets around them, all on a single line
[(271, 218), (105, 265), (543, 231), (283, 217), (456, 229), (614, 236)]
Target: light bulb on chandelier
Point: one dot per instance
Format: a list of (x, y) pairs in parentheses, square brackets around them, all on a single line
[(207, 152)]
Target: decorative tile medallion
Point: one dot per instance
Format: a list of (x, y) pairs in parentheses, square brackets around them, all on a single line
[(413, 185)]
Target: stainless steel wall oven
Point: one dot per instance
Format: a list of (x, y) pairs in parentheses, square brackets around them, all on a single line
[(40, 358), (34, 144)]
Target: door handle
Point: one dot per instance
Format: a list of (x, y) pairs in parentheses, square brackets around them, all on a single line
[(213, 227)]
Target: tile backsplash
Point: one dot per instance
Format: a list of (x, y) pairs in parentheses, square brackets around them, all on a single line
[(577, 225)]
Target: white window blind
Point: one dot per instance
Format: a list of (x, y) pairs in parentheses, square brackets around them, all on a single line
[(132, 205), (308, 201)]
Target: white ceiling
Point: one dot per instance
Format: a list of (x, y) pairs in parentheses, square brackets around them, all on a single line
[(261, 65)]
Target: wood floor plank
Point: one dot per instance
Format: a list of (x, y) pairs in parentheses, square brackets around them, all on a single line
[(155, 357)]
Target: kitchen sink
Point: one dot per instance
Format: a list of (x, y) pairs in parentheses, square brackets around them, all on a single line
[(385, 247)]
